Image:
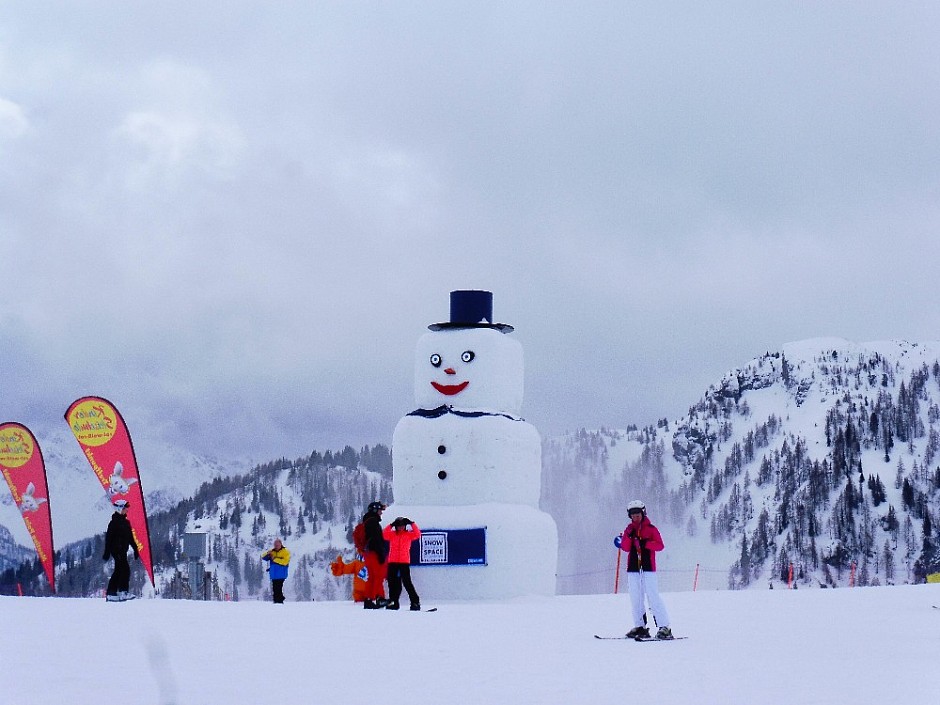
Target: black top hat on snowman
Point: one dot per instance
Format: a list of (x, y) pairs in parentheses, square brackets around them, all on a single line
[(471, 308)]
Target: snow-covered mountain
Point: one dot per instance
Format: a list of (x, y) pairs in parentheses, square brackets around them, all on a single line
[(79, 506), (820, 458)]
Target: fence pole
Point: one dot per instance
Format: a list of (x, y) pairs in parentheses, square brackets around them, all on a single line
[(695, 580)]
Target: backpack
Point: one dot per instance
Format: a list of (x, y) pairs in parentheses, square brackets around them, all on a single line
[(359, 538)]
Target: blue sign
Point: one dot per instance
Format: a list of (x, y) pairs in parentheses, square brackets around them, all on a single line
[(449, 547)]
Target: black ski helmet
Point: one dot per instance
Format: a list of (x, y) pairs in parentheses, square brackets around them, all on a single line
[(376, 506)]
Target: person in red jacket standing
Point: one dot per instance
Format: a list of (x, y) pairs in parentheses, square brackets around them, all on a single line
[(641, 540), (399, 534)]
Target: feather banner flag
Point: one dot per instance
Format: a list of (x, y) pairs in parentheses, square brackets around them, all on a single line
[(102, 434), (25, 472)]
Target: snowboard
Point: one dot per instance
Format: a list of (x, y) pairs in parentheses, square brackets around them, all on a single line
[(423, 609), (120, 598), (631, 638)]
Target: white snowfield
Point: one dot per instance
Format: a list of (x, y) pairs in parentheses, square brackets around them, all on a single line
[(863, 645)]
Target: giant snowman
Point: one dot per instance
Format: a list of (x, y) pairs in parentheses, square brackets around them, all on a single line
[(467, 465)]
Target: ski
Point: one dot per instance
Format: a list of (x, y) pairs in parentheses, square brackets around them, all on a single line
[(653, 638), (598, 636)]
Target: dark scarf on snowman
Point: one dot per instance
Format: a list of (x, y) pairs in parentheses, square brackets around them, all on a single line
[(446, 409)]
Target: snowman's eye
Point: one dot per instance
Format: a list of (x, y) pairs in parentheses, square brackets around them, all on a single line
[(468, 356), (436, 360)]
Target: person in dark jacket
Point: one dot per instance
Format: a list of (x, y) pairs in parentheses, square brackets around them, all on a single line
[(376, 553), (278, 559), (641, 540), (117, 540)]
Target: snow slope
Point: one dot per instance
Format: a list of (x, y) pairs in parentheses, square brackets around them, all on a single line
[(862, 645)]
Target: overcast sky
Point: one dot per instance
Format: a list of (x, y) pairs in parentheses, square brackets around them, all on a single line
[(234, 220)]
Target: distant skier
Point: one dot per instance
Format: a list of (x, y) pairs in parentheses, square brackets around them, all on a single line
[(117, 540), (641, 540), (279, 559), (375, 555), (399, 534)]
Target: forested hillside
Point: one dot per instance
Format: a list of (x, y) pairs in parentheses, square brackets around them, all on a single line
[(815, 465)]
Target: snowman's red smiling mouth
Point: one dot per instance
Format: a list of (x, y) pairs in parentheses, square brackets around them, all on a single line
[(450, 389)]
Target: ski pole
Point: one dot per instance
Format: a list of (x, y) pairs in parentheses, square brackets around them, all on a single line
[(617, 573)]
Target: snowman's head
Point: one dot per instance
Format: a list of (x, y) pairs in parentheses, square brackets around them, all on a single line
[(469, 368)]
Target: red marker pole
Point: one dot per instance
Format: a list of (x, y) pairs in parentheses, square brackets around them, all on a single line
[(695, 580)]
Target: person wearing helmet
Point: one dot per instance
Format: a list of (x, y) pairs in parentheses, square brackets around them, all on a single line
[(375, 554), (400, 534), (641, 540), (117, 540)]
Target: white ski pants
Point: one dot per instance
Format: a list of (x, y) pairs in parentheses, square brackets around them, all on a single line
[(644, 585)]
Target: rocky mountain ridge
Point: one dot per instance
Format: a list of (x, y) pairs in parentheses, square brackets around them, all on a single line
[(814, 465)]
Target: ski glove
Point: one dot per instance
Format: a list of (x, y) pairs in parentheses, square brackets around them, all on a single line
[(617, 541)]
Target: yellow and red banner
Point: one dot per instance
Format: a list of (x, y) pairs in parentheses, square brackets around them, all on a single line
[(25, 472), (102, 434)]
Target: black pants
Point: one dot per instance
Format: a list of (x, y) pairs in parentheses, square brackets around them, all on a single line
[(121, 577), (400, 574), (277, 585)]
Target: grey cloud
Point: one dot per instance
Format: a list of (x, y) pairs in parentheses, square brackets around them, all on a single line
[(238, 223)]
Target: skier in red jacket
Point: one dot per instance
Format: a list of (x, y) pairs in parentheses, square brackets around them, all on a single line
[(641, 540), (399, 534)]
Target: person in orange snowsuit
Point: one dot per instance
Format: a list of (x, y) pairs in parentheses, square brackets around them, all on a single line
[(356, 568)]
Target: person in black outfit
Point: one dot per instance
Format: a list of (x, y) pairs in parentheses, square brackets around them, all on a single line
[(116, 542), (375, 557)]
